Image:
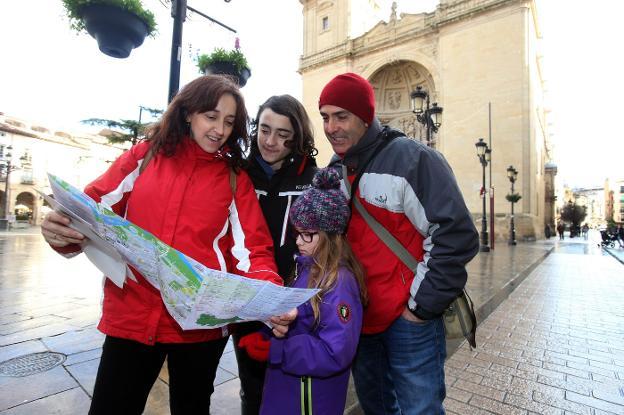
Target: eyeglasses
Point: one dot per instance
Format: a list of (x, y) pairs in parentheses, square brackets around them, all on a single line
[(305, 236)]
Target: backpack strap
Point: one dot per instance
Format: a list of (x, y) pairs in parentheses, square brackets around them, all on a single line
[(146, 159), (233, 181)]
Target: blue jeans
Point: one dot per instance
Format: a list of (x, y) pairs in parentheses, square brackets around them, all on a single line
[(401, 370)]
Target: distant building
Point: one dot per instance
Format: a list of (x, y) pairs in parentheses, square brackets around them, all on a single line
[(32, 151), (594, 201), (466, 54), (615, 190)]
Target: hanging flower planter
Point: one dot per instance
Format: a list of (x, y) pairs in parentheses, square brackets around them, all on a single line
[(117, 26), (221, 62)]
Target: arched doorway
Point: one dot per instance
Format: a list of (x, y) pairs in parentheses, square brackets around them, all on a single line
[(393, 85), (24, 209)]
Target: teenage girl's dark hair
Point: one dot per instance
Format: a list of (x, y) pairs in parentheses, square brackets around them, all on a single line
[(200, 95), (288, 106)]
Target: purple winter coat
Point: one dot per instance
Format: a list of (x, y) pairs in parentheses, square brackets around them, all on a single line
[(309, 368)]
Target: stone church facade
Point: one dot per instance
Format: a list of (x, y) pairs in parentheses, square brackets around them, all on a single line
[(475, 58)]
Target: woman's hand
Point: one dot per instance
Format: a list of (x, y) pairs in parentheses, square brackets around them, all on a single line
[(280, 323), (56, 231)]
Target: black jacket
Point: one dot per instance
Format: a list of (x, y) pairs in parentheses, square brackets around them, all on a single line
[(276, 196)]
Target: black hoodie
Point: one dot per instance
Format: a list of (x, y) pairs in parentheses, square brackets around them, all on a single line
[(276, 196)]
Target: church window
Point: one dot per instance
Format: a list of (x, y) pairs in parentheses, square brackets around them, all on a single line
[(325, 23)]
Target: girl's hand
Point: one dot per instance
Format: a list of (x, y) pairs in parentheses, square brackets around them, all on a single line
[(56, 231), (280, 323)]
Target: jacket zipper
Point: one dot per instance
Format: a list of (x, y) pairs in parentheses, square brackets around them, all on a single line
[(306, 395)]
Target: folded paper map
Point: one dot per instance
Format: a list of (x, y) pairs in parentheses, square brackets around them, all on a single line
[(197, 297)]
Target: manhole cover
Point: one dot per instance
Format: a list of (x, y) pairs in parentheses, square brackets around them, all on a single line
[(30, 364)]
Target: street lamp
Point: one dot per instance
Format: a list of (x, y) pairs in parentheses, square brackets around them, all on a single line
[(512, 174), (429, 116), (6, 166), (484, 154)]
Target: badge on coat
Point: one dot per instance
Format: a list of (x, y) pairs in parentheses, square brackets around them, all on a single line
[(344, 312)]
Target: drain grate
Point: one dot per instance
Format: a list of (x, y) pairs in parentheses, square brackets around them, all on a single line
[(31, 364)]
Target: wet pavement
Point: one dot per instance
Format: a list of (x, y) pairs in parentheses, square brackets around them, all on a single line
[(556, 345)]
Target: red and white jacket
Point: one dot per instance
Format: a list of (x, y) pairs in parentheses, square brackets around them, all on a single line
[(185, 201), (409, 189)]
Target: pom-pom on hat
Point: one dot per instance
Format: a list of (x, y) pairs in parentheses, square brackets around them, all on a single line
[(351, 92), (322, 207)]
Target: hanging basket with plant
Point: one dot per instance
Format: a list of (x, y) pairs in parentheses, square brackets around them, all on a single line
[(118, 25), (513, 197), (231, 63)]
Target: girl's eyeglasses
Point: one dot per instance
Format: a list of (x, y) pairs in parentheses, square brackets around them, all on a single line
[(305, 236)]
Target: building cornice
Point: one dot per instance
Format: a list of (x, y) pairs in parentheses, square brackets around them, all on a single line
[(16, 127), (396, 32)]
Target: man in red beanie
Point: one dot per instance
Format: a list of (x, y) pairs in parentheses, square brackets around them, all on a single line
[(411, 191)]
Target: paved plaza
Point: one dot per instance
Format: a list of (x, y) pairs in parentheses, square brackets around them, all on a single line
[(551, 340)]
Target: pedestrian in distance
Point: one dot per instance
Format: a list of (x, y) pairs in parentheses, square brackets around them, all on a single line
[(560, 230), (620, 235), (308, 370), (281, 166), (585, 231), (410, 190), (184, 184)]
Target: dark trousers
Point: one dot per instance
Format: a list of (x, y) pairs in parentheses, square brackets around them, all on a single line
[(128, 370), (250, 372)]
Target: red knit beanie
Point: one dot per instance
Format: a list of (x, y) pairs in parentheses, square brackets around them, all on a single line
[(351, 92)]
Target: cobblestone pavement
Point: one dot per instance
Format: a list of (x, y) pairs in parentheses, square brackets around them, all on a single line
[(555, 346), (50, 304)]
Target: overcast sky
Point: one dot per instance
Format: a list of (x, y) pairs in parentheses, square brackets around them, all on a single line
[(52, 76)]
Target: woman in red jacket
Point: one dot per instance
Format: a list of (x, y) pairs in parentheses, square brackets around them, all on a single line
[(177, 186)]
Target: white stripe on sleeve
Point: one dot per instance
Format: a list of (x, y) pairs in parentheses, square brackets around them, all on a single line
[(239, 251), (126, 185)]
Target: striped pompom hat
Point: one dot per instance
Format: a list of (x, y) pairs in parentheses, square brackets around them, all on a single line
[(322, 207)]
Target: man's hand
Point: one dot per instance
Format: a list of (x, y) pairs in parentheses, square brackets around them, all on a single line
[(409, 316), (280, 323)]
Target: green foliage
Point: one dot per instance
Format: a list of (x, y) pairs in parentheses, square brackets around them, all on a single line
[(124, 131), (74, 12), (234, 56), (573, 213), (513, 197)]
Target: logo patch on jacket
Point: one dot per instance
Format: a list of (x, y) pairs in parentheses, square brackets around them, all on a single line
[(381, 199), (344, 312)]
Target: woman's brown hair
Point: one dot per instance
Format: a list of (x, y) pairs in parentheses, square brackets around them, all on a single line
[(198, 96), (332, 252)]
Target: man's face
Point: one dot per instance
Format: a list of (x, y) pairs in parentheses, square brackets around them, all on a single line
[(342, 128)]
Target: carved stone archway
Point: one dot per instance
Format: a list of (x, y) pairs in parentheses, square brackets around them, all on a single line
[(393, 84)]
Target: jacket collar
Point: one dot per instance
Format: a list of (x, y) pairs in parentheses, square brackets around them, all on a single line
[(304, 260), (359, 151), (294, 164), (193, 150)]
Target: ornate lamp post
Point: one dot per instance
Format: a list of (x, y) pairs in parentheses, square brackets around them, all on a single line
[(512, 174), (429, 116), (5, 164), (484, 154)]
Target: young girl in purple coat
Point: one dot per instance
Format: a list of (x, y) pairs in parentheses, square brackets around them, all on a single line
[(308, 370)]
